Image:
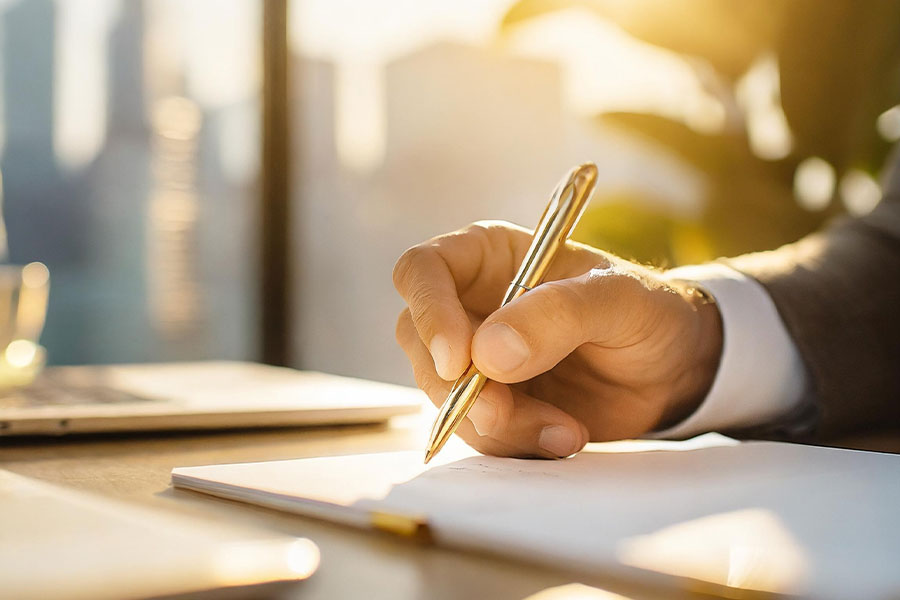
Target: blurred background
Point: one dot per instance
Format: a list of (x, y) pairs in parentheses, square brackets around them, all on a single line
[(235, 178)]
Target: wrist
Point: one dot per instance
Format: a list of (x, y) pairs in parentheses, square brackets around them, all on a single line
[(702, 353)]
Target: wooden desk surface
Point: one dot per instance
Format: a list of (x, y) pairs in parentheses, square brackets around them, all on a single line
[(355, 564)]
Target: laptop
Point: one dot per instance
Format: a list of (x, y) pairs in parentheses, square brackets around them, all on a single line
[(193, 396), (69, 545)]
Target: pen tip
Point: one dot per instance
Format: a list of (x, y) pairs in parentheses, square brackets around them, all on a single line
[(429, 454)]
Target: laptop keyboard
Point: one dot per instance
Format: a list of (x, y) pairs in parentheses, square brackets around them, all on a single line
[(47, 390)]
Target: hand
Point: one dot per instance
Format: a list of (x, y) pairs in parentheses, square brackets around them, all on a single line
[(604, 349)]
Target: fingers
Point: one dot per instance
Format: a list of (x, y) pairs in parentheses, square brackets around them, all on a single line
[(530, 335), (433, 276), (525, 424), (468, 270), (503, 421), (423, 278)]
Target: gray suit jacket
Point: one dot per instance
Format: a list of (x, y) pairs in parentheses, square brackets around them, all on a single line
[(838, 293)]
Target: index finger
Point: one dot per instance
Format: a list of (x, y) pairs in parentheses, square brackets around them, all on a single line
[(431, 275)]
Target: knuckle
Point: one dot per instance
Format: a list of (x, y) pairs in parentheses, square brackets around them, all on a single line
[(406, 266), (481, 232), (506, 419), (425, 312), (483, 226), (630, 295), (560, 305), (422, 297), (502, 421), (492, 229), (612, 284), (477, 228)]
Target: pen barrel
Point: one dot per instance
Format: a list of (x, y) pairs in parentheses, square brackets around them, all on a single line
[(463, 395), (565, 208), (461, 398)]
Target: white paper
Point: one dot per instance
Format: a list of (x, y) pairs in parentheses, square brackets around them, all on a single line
[(768, 516)]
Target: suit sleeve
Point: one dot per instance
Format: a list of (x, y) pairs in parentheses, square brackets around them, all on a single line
[(838, 294)]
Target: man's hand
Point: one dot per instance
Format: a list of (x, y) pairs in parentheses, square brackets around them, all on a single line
[(604, 349)]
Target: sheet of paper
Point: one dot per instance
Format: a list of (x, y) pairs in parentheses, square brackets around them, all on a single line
[(760, 515)]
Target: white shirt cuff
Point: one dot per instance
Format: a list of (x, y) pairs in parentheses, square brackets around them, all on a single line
[(761, 376)]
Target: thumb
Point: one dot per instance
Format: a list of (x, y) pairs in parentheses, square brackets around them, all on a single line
[(533, 333)]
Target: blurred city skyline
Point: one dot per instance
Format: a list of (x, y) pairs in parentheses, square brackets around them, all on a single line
[(143, 226), (214, 47), (149, 227)]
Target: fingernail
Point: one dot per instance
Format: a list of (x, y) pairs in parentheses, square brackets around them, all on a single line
[(440, 353), (502, 348), (558, 440), (483, 415)]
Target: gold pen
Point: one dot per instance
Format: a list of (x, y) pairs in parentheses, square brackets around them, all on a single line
[(566, 205)]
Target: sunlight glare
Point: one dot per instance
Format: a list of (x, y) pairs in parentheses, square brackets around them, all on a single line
[(607, 70), (80, 79), (759, 94), (888, 124), (383, 30), (221, 48), (575, 591), (814, 182), (241, 563), (35, 275), (360, 127), (860, 192), (747, 549), (360, 38), (20, 353)]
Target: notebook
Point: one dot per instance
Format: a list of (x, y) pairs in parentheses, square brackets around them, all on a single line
[(762, 516), (68, 545), (194, 395)]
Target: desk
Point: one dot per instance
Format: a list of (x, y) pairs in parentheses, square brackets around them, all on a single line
[(355, 564)]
